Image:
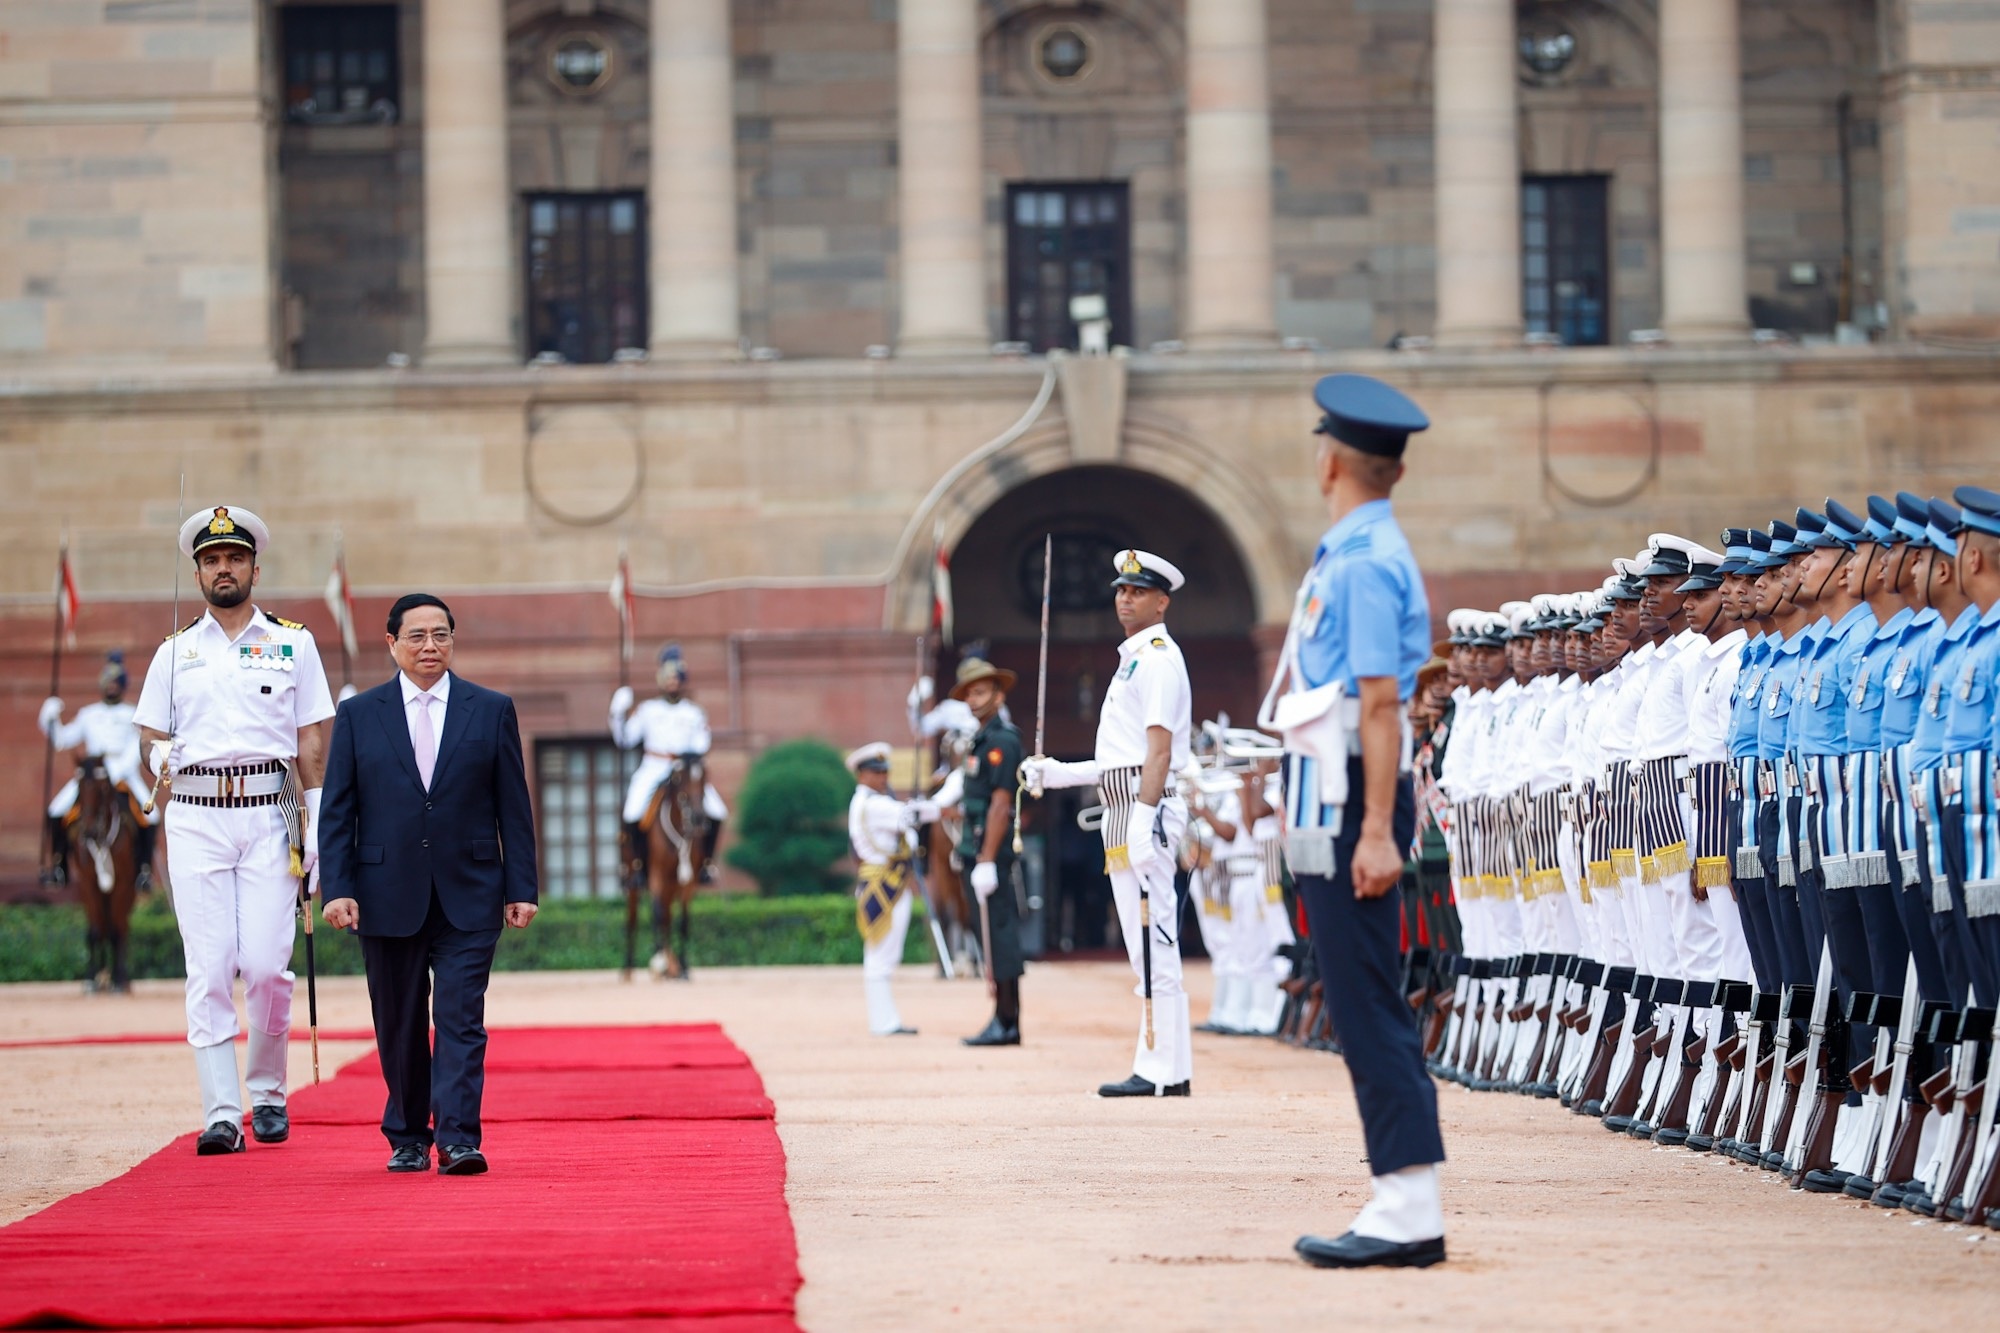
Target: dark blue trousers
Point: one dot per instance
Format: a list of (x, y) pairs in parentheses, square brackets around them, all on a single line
[(1359, 946), (433, 1095)]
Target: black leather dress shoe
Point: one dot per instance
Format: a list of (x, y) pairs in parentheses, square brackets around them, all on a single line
[(1859, 1187), (1889, 1194), (995, 1033), (459, 1159), (1619, 1124), (270, 1124), (410, 1157), (901, 1032), (1825, 1182), (1139, 1087), (1351, 1251), (224, 1136), (1670, 1138)]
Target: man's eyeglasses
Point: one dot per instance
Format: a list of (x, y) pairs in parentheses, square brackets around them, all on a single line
[(418, 638)]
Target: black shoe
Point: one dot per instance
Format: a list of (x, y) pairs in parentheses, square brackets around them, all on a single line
[(1670, 1138), (900, 1032), (1139, 1087), (1699, 1143), (270, 1124), (224, 1136), (995, 1033), (1916, 1201), (1639, 1129), (411, 1157), (1858, 1186), (1888, 1195), (1593, 1108), (1352, 1251), (460, 1159), (1215, 1028), (1619, 1124), (1825, 1182)]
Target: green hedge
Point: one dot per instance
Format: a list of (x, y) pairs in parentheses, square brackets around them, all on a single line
[(45, 943), (791, 818)]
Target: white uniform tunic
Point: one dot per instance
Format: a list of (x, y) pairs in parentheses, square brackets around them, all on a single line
[(229, 704), (1150, 689), (879, 827), (666, 731), (105, 731)]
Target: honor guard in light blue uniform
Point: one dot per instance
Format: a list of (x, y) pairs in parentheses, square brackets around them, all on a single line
[(1361, 625), (1969, 739)]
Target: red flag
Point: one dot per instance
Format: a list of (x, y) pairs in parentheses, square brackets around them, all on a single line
[(623, 601), (340, 601), (941, 595), (68, 602)]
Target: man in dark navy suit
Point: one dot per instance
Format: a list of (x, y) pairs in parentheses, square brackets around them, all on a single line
[(427, 844)]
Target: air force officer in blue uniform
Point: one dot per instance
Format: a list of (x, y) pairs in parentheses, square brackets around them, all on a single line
[(1362, 619), (427, 845)]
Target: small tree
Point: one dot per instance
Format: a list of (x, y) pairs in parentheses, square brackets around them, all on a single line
[(791, 826)]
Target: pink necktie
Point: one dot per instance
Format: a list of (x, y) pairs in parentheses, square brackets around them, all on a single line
[(426, 741)]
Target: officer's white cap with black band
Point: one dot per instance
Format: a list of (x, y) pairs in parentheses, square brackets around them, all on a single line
[(223, 525), (1143, 569), (870, 758)]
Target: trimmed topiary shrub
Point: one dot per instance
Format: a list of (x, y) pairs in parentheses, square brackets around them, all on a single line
[(791, 821)]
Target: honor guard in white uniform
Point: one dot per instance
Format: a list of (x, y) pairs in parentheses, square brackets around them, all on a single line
[(104, 730), (1142, 741), (882, 832), (671, 728), (235, 715)]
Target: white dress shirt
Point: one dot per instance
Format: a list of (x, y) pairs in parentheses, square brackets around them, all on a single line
[(1149, 689), (1714, 689), (229, 702), (440, 697)]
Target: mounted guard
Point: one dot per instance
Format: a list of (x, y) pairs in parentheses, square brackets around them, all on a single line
[(103, 731), (672, 729)]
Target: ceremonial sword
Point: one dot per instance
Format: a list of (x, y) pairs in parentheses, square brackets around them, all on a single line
[(163, 749)]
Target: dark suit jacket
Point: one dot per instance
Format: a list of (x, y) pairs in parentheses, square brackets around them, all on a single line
[(386, 842)]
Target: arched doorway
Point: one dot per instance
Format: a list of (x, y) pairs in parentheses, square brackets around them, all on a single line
[(1093, 512)]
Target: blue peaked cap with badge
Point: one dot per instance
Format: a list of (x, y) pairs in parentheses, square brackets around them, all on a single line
[(1366, 414), (1913, 517), (1881, 527), (1944, 521), (1978, 510), (1843, 526)]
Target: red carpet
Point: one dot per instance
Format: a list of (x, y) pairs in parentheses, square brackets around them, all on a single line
[(637, 1182)]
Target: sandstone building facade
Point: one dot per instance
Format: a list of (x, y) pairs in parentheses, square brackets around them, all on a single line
[(774, 296)]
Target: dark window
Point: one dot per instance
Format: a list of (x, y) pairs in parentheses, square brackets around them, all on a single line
[(586, 274), (1566, 257), (1064, 241), (1083, 572), (340, 64), (582, 786)]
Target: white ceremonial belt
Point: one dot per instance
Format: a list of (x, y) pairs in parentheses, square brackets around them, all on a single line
[(210, 786)]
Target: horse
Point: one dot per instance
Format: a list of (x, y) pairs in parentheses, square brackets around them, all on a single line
[(956, 914), (105, 872), (673, 827)]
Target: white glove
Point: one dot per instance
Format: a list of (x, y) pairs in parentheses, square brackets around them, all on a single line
[(985, 879), (163, 750), (1141, 849), (309, 844), (1045, 774), (920, 693), (621, 702), (923, 812), (51, 714)]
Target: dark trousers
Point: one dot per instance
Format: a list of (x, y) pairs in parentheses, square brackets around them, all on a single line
[(427, 1087), (1754, 908), (1955, 930), (1359, 945)]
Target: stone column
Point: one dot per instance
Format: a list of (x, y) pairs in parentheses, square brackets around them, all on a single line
[(1478, 173), (1701, 173), (695, 298), (468, 244), (1230, 275), (941, 194)]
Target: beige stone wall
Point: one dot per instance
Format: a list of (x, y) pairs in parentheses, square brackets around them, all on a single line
[(134, 185), (1941, 195)]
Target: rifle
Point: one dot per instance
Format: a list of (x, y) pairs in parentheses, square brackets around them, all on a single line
[(1975, 1027), (1668, 1037), (1777, 1125), (1810, 1168), (1766, 1009), (1671, 1123), (1818, 1029), (1982, 1184), (1610, 1025), (1898, 1164), (1726, 1093), (1628, 1080), (1891, 1071)]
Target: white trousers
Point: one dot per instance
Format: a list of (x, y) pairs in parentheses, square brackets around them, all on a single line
[(878, 965), (1171, 1059), (235, 901), (647, 778)]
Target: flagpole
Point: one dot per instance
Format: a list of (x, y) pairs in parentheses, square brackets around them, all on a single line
[(346, 599), (624, 618), (55, 685)]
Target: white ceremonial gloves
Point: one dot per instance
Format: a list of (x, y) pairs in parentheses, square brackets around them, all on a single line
[(985, 879), (920, 693), (51, 715), (1046, 774), (309, 844), (621, 702), (163, 750), (1141, 847), (923, 812)]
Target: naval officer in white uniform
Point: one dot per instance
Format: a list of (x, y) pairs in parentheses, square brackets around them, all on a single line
[(882, 832), (236, 707), (1142, 741)]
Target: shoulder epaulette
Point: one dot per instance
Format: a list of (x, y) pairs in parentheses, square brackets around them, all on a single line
[(182, 630), (282, 622)]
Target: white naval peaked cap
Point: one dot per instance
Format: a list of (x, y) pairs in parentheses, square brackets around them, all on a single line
[(1522, 614), (875, 754), (1143, 569), (223, 525), (1465, 617), (1508, 610), (1626, 568), (1701, 555)]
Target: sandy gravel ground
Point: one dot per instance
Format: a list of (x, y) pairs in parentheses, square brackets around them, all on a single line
[(934, 1186)]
